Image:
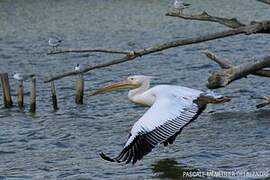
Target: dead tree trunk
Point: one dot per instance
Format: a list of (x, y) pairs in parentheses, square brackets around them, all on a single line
[(230, 73)]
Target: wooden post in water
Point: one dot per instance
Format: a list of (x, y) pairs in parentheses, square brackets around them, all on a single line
[(6, 90), (79, 90), (33, 94), (20, 94), (54, 97)]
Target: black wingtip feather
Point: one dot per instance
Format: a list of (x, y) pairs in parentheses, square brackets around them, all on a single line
[(261, 105), (103, 156)]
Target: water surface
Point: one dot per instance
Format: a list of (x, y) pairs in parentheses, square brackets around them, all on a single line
[(65, 144)]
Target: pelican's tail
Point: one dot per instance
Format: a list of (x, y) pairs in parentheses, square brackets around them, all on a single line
[(211, 97)]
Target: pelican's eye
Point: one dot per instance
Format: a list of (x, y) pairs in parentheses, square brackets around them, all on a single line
[(131, 79)]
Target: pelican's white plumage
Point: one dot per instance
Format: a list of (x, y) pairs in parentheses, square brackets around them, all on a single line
[(167, 106), (170, 111), (172, 108)]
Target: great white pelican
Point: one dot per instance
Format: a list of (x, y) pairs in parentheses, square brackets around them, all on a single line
[(172, 109)]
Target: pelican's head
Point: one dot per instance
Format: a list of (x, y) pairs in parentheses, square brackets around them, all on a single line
[(138, 79), (132, 82)]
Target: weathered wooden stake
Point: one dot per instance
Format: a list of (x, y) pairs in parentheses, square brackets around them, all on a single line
[(79, 91), (6, 90), (33, 95), (54, 97), (20, 93)]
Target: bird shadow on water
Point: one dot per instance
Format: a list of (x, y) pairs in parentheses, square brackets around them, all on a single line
[(265, 113), (169, 169), (262, 114)]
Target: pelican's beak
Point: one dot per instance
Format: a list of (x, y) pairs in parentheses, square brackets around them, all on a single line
[(114, 86)]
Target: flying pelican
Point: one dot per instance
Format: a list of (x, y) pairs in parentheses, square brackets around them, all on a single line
[(54, 42), (172, 108), (180, 5)]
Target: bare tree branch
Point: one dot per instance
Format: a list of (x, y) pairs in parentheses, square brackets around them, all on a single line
[(265, 1), (112, 51), (258, 27), (224, 63), (89, 68), (224, 77), (231, 23)]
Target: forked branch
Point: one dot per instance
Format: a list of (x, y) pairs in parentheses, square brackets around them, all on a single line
[(230, 72), (229, 22), (258, 27), (111, 51)]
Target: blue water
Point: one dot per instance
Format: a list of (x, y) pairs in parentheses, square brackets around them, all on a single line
[(65, 144)]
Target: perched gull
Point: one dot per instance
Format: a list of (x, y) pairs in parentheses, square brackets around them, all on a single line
[(54, 42), (18, 76), (77, 67), (180, 5)]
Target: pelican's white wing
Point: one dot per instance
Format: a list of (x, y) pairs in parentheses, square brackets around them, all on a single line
[(160, 124)]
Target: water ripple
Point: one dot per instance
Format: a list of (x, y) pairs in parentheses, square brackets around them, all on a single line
[(66, 144)]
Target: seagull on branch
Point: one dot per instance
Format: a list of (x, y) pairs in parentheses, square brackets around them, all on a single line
[(180, 5), (54, 42), (77, 67)]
